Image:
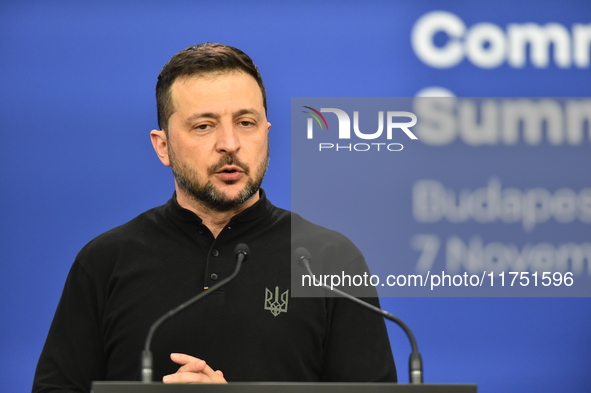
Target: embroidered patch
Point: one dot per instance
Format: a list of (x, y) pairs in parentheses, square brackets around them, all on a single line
[(277, 303)]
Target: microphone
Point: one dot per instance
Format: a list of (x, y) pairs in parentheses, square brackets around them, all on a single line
[(415, 361), (241, 251)]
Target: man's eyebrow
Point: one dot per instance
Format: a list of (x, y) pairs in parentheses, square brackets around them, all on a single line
[(196, 116), (241, 112), (246, 112)]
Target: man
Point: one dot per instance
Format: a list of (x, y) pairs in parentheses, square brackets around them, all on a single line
[(214, 135)]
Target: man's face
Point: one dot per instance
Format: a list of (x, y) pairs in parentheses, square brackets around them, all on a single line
[(218, 138)]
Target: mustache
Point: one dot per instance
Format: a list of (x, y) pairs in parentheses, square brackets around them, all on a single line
[(229, 159)]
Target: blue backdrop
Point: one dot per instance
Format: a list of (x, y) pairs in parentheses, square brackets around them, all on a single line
[(78, 103)]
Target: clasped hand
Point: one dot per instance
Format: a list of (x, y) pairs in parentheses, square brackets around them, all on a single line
[(193, 370)]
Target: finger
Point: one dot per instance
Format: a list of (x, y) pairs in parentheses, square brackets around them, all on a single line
[(181, 358), (193, 370), (192, 364), (189, 363)]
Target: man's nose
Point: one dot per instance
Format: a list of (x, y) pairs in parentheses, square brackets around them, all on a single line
[(227, 139)]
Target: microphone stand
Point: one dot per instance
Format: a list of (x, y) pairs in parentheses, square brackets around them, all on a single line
[(241, 252), (415, 361)]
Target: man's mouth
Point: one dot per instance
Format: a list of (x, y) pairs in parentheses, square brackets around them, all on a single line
[(230, 169), (230, 173)]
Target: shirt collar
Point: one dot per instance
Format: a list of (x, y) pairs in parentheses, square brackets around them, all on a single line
[(254, 212)]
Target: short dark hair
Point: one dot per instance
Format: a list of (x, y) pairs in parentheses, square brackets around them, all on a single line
[(201, 59)]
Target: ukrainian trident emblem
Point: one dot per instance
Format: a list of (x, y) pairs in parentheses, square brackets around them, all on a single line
[(275, 303)]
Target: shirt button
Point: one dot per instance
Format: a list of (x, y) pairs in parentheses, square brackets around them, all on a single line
[(214, 276), (201, 231), (215, 253)]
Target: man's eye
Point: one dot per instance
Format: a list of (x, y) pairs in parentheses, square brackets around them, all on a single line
[(246, 123), (202, 126)]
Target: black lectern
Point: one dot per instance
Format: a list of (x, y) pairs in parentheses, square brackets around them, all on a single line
[(272, 387)]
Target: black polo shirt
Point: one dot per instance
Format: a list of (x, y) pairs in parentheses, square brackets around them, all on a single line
[(252, 329)]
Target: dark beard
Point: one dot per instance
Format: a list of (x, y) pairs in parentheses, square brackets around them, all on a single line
[(207, 193)]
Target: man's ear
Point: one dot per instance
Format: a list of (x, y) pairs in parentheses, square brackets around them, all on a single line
[(160, 143)]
